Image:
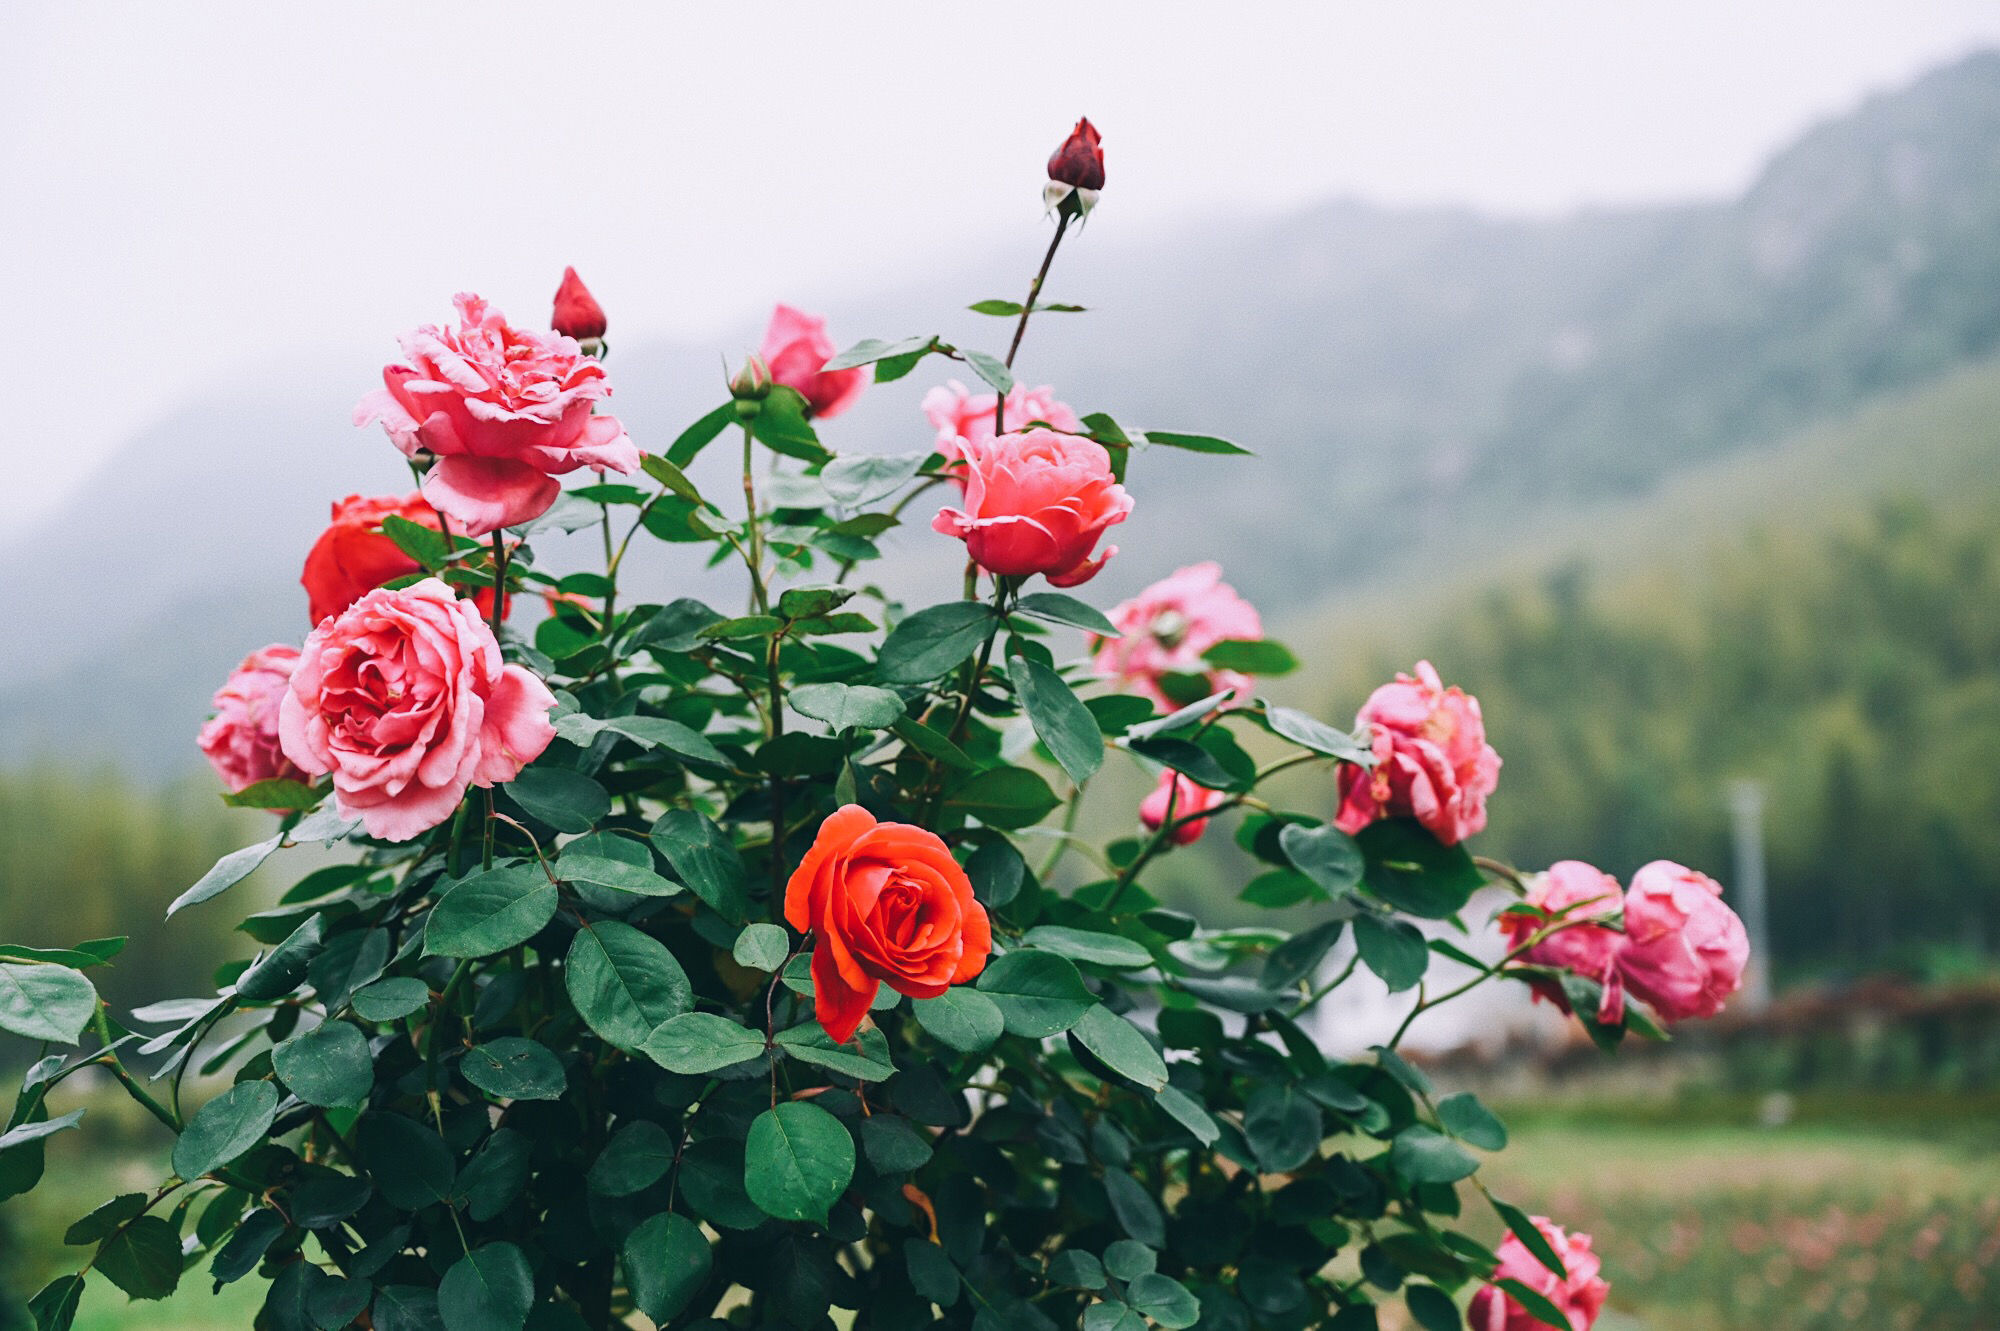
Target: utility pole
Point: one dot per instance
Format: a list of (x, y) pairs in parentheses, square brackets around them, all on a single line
[(1746, 803)]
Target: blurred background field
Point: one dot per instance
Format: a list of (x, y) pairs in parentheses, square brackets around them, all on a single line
[(1688, 493)]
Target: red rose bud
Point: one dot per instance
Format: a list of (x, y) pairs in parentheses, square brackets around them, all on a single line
[(578, 314), (1080, 160)]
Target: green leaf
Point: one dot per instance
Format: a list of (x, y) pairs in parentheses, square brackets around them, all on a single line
[(406, 1308), (648, 732), (856, 480), (866, 1057), (54, 1308), (933, 640), (389, 1000), (1309, 733), (275, 795), (1060, 720), (701, 1042), (933, 1275), (614, 875), (961, 1017), (491, 912), (1112, 1315), (52, 1003), (280, 972), (670, 475), (488, 1289), (847, 706), (223, 1129), (704, 857), (1135, 1209), (1432, 1308), (698, 436), (1077, 1269), (1393, 949), (1165, 1300), (24, 1133), (96, 952), (1190, 1114), (143, 1259), (667, 1261), (1195, 443), (1425, 1155), (246, 1247), (781, 425), (1412, 872), (409, 1163), (1039, 994), (932, 744), (1120, 1046), (496, 1174), (745, 626), (1535, 1303), (1521, 1227), (230, 870), (871, 349), (1057, 608), (1004, 797), (676, 627), (1088, 945), (797, 1161), (1300, 955), (104, 1221), (349, 960), (892, 1145), (565, 800), (514, 1068), (762, 947), (1465, 1118), (1251, 656), (427, 545), (1325, 854), (328, 1065), (637, 1156), (991, 369), (1001, 308), (1283, 1127)]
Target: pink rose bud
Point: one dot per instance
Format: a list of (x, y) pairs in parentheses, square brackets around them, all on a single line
[(1177, 797), (1580, 1297), (504, 410), (577, 314), (795, 346), (1080, 160), (241, 739), (1169, 625), (1576, 892), (1684, 949), (404, 698), (1037, 502), (1432, 761), (752, 383), (963, 419)]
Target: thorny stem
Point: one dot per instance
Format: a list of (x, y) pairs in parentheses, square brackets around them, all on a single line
[(755, 557), (132, 1088), (1034, 292)]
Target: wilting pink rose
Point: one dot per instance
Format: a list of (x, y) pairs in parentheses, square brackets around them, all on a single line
[(1432, 761), (1176, 797), (504, 410), (1577, 891), (963, 418), (1169, 625), (404, 698), (241, 739), (1037, 502), (795, 346), (1684, 949), (577, 313), (1580, 1297)]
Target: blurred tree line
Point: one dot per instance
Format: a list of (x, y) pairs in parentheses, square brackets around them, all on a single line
[(1855, 672)]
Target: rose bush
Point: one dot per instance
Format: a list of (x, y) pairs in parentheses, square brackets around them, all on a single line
[(745, 968)]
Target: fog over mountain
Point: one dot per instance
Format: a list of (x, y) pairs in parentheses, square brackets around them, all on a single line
[(1415, 384)]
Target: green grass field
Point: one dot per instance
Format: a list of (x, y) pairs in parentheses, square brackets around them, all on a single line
[(1871, 1222)]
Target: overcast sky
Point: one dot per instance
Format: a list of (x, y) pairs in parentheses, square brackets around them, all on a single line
[(192, 190)]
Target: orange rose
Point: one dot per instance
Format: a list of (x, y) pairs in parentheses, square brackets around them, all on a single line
[(889, 904)]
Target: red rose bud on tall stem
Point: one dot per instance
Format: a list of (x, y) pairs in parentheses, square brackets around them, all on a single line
[(578, 314), (1080, 160)]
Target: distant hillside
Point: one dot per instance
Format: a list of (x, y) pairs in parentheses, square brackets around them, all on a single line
[(1422, 388)]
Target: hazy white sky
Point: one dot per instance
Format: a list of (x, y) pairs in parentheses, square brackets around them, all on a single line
[(192, 189)]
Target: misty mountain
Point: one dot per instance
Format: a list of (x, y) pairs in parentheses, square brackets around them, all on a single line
[(1416, 384)]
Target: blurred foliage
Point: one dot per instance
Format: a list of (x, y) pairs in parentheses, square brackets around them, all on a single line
[(90, 854), (1855, 672)]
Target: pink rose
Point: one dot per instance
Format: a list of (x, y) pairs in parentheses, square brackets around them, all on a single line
[(1684, 949), (1432, 761), (1169, 625), (504, 410), (963, 419), (1177, 797), (1577, 891), (795, 346), (1037, 502), (1580, 1297), (404, 697), (241, 739)]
